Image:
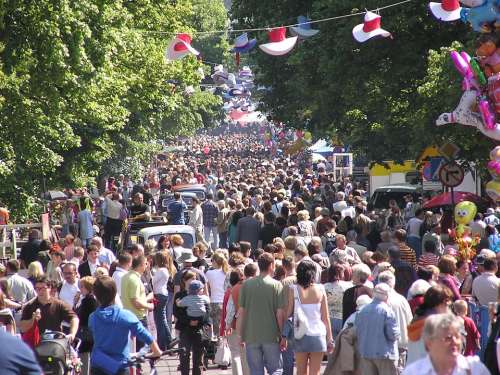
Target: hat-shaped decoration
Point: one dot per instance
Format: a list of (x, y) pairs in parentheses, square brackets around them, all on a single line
[(446, 10), (242, 44), (370, 28), (278, 44), (245, 72), (180, 47), (303, 30), (219, 76)]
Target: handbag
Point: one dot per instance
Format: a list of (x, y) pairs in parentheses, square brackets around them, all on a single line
[(300, 325), (32, 336), (85, 335), (223, 354)]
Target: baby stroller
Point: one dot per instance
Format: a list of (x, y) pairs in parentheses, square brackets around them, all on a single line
[(56, 356)]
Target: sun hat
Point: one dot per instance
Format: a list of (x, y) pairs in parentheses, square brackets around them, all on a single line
[(446, 10), (370, 28), (242, 44), (180, 47), (362, 301), (187, 257), (303, 30), (278, 44)]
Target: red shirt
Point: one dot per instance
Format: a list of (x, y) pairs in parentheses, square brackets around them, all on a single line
[(472, 336)]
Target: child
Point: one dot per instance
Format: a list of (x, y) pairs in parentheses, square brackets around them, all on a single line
[(196, 303), (472, 340)]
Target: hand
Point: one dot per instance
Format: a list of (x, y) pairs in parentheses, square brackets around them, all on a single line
[(37, 315), (151, 306), (150, 297), (229, 331), (70, 337), (283, 344), (330, 346), (156, 352)]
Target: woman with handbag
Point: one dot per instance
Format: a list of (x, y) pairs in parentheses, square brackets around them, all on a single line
[(312, 330), (83, 308)]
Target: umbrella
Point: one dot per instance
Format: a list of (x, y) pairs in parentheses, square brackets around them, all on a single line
[(458, 196)]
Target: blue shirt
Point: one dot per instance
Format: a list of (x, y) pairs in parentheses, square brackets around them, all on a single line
[(110, 327), (210, 213), (377, 331), (176, 211), (16, 358), (86, 226)]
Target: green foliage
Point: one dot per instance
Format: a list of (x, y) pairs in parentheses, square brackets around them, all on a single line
[(381, 97), (82, 85)]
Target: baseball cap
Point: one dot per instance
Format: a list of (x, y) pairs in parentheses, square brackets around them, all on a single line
[(195, 287)]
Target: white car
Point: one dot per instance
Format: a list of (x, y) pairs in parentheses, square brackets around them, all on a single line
[(154, 233)]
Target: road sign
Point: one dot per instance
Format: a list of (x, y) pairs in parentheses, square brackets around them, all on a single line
[(451, 174), (449, 150)]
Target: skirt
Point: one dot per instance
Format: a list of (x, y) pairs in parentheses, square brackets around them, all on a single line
[(310, 344)]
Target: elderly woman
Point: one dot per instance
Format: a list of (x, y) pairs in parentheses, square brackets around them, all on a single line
[(306, 226), (443, 343), (360, 275), (447, 267)]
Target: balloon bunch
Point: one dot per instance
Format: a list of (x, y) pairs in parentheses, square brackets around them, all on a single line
[(493, 187), (465, 241), (479, 105)]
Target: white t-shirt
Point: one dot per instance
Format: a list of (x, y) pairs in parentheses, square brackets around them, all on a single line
[(68, 292), (117, 277), (215, 279), (160, 280)]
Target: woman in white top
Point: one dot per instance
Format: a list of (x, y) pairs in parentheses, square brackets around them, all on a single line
[(164, 270), (443, 342), (306, 226), (113, 225), (311, 299), (215, 280)]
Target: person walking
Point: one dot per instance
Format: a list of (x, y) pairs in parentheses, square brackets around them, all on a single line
[(260, 319), (196, 220), (311, 299), (377, 334), (210, 214), (164, 271)]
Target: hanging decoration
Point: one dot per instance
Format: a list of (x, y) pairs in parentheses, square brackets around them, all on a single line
[(370, 28), (278, 44), (180, 47), (303, 30), (243, 45), (446, 10), (493, 186)]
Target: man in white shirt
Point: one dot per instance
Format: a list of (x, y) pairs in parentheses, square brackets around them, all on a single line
[(478, 226), (341, 204), (196, 220), (402, 312), (485, 286), (19, 287), (124, 264), (69, 288), (106, 256)]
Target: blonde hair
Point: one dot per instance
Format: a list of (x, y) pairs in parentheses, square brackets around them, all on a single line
[(177, 240), (78, 252), (35, 269), (164, 259), (101, 271), (220, 260), (460, 307), (88, 282), (259, 216), (149, 246), (303, 215)]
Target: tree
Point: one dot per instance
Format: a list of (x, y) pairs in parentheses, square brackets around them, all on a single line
[(83, 83), (380, 97)]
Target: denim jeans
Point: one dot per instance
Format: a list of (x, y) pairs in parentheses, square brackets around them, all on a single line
[(170, 310), (288, 359), (223, 240), (416, 244), (160, 315), (213, 230), (268, 356)]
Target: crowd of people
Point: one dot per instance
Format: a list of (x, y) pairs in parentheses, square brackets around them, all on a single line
[(291, 266)]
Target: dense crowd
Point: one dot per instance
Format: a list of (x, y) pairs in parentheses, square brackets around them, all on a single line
[(290, 265)]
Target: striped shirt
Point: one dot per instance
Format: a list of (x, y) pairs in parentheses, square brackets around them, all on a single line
[(408, 255), (428, 259)]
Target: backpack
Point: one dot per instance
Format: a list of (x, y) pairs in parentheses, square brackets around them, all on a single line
[(330, 244)]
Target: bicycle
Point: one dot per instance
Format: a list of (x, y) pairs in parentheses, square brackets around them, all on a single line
[(142, 356)]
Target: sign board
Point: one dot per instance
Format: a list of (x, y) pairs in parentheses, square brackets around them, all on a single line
[(430, 173), (451, 174), (449, 150)]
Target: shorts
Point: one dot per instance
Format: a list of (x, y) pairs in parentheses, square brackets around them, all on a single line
[(310, 344)]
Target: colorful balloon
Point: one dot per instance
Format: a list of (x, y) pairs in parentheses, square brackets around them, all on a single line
[(493, 190), (464, 214), (308, 136)]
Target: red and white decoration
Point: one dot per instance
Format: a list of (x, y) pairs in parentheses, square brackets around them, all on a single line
[(370, 28), (446, 10), (180, 47), (278, 44)]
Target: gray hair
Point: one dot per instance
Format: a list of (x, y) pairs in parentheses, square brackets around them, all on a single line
[(351, 236), (149, 246), (361, 272), (437, 323), (387, 277)]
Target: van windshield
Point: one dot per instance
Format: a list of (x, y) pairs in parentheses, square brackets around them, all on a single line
[(188, 239), (380, 199)]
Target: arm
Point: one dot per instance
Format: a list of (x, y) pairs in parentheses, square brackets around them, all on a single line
[(239, 322), (290, 304), (391, 328), (325, 317)]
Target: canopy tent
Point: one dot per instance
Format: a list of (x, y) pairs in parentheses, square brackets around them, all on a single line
[(316, 158), (458, 196), (319, 144), (244, 117)]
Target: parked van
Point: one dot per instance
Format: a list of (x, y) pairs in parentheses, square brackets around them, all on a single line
[(383, 194)]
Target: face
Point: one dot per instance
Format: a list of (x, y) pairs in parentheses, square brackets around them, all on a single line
[(446, 346), (92, 255), (83, 290), (42, 290), (69, 274), (340, 243)]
